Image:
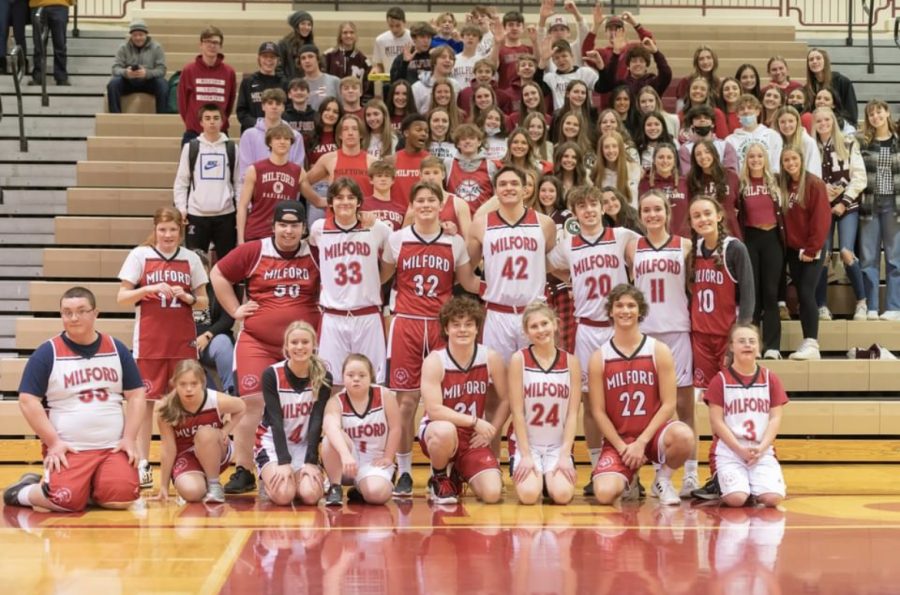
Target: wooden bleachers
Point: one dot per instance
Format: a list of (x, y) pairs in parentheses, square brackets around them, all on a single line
[(31, 332), (122, 201), (137, 149), (87, 263), (104, 231)]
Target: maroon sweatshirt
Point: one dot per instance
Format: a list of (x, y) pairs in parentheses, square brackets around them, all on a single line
[(807, 226), (201, 84)]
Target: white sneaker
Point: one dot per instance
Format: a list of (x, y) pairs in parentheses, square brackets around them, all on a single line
[(689, 484), (860, 313), (884, 353), (824, 313), (872, 315), (145, 475), (892, 315), (772, 354), (666, 491), (809, 349)]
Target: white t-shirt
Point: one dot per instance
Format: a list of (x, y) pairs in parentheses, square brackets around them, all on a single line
[(388, 47)]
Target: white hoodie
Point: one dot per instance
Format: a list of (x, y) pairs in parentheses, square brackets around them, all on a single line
[(740, 139), (213, 193)]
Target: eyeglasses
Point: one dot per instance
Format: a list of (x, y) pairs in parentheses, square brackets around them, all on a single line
[(74, 314)]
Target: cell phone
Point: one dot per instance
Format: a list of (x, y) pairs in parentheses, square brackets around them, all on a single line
[(133, 67)]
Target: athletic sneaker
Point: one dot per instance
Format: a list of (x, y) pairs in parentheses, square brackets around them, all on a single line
[(666, 492), (861, 312), (588, 489), (892, 315), (11, 494), (240, 482), (145, 475), (404, 486), (824, 313), (215, 493), (872, 315), (335, 495), (354, 496), (709, 491), (772, 354), (441, 490), (809, 349), (783, 312), (688, 485)]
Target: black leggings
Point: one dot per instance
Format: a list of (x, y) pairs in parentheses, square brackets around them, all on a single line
[(767, 260), (805, 276)]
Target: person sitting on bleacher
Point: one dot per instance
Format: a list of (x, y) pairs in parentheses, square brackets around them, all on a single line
[(140, 67)]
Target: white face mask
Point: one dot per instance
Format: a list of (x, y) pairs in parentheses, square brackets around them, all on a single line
[(748, 120), (491, 130)]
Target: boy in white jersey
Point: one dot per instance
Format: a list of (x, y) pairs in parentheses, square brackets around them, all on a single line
[(427, 261), (512, 241), (594, 259), (71, 395), (351, 279), (746, 404)]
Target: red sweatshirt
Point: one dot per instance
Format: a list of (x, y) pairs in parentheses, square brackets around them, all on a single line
[(201, 84), (807, 226)]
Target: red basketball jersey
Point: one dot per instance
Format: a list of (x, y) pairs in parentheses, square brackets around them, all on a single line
[(206, 415), (355, 167), (473, 187), (407, 172), (426, 270), (448, 211), (464, 385), (714, 297), (386, 210), (631, 387), (273, 183)]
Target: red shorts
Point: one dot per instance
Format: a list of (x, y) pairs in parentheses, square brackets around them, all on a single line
[(709, 356), (409, 342), (610, 460), (187, 462), (102, 475), (251, 358), (467, 460), (156, 374)]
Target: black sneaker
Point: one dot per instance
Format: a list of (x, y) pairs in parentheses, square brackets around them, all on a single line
[(354, 496), (709, 491), (11, 494), (642, 493), (63, 83), (589, 489), (33, 82), (404, 486), (335, 495), (240, 482)]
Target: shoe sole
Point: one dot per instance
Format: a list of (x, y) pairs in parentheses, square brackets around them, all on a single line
[(327, 503), (240, 491), (705, 497), (214, 501), (402, 493)]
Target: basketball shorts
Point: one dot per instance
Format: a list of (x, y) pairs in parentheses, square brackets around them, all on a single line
[(367, 468), (343, 335), (588, 339), (610, 461), (545, 458), (156, 374), (469, 461), (735, 475), (709, 356), (682, 352), (102, 475), (503, 333), (251, 358), (187, 462), (265, 455), (410, 340)]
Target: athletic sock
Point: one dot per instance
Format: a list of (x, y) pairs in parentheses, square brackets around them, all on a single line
[(595, 456), (664, 473), (212, 481), (404, 462), (690, 467), (437, 472), (24, 494)]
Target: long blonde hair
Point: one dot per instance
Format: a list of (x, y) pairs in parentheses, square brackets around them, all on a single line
[(620, 166), (768, 177), (784, 179), (796, 139), (839, 143), (171, 409), (317, 370), (386, 135)]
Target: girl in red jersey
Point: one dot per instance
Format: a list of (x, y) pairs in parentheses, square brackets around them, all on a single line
[(544, 397), (164, 282), (194, 424), (746, 403), (362, 432)]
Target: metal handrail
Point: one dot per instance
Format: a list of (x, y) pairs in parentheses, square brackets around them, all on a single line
[(19, 65), (870, 11), (38, 22), (897, 31)]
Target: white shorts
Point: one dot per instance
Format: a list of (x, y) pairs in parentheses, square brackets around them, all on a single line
[(735, 476), (366, 468), (340, 336), (680, 346), (545, 458), (503, 333), (588, 339), (265, 455)]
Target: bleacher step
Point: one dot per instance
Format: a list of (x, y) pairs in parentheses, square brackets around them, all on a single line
[(33, 202), (70, 106), (48, 127), (26, 231), (43, 150), (37, 174)]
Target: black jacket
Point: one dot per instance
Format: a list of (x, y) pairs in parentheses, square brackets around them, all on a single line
[(249, 103)]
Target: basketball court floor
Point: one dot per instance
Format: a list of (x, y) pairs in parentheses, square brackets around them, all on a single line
[(837, 533)]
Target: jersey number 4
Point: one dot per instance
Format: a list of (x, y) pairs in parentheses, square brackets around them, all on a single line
[(539, 419), (348, 274), (297, 435), (633, 403), (515, 268)]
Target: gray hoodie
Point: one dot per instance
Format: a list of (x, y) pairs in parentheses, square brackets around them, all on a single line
[(151, 56)]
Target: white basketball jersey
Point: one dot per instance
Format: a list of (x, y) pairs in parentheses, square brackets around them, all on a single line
[(546, 396), (595, 268), (368, 430), (349, 261), (660, 275), (295, 411), (514, 254), (746, 408), (84, 396)]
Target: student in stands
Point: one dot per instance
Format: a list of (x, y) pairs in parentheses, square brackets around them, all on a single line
[(664, 176), (380, 138), (698, 127), (508, 43), (350, 89), (566, 70), (577, 99), (616, 168), (614, 27), (299, 114), (439, 143), (819, 75), (651, 134), (415, 59), (773, 99), (484, 74), (752, 130), (321, 84), (253, 146), (442, 60), (789, 125), (400, 103), (779, 76), (443, 94), (139, 67), (638, 59), (345, 59), (825, 97), (206, 80), (301, 23), (390, 44), (648, 100), (536, 125), (748, 76), (568, 166), (729, 94), (249, 102), (56, 19), (464, 67), (708, 177), (623, 103), (705, 63), (557, 27), (700, 94), (321, 142)]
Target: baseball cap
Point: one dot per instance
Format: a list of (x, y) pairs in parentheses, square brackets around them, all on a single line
[(267, 47), (290, 207), (557, 20), (614, 22)]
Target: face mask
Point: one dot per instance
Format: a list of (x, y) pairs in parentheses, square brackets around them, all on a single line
[(747, 121), (797, 106), (491, 130), (702, 130)]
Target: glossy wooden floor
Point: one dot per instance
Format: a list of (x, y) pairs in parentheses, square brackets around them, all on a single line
[(837, 533)]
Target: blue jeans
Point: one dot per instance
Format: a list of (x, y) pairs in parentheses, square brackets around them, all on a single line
[(220, 354), (57, 21), (15, 13), (119, 85), (882, 230), (847, 227)]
